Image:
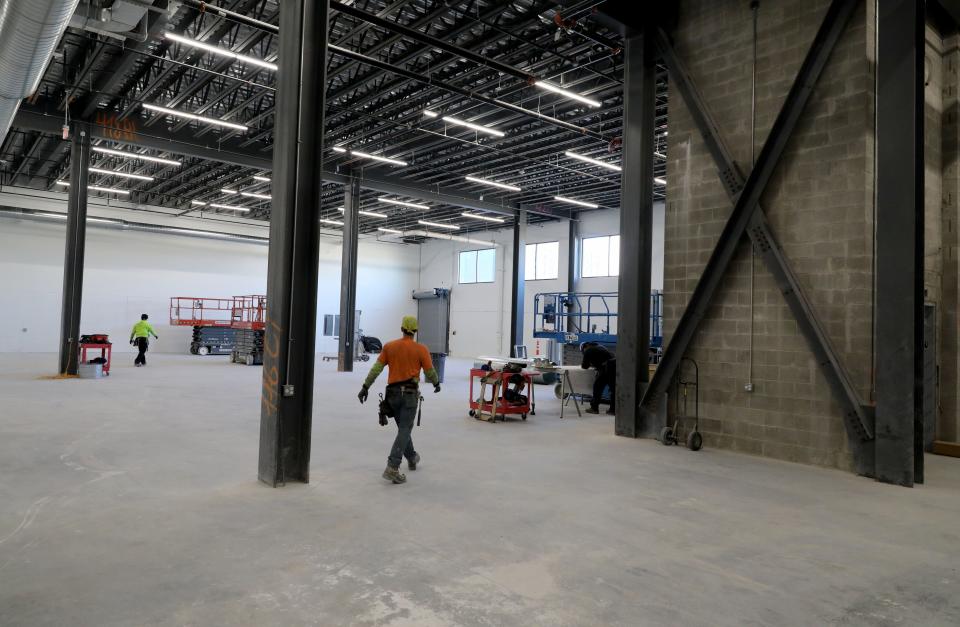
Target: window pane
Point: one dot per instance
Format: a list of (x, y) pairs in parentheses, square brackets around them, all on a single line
[(596, 257), (615, 255), (548, 260), (486, 265), (530, 261), (468, 266)]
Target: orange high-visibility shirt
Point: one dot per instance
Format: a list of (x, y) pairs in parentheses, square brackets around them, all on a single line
[(405, 358)]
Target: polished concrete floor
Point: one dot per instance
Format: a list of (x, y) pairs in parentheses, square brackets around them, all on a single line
[(133, 501)]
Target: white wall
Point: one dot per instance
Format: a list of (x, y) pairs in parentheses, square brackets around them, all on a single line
[(128, 273), (480, 313)]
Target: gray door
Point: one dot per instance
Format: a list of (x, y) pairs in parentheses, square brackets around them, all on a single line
[(433, 315)]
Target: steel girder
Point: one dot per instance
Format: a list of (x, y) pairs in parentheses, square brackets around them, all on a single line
[(348, 275)]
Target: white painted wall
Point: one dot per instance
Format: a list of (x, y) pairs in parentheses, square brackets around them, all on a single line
[(480, 317), (128, 273)]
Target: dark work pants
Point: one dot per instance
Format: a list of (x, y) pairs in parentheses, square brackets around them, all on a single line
[(404, 407), (606, 378), (142, 345)]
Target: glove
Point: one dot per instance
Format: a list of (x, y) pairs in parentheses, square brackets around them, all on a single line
[(436, 388), (132, 342), (364, 392)]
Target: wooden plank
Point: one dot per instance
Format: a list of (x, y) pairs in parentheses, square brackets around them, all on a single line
[(951, 449)]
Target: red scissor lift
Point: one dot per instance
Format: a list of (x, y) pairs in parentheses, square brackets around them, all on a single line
[(223, 325), (248, 317)]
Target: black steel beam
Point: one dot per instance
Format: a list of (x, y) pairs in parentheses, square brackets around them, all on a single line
[(833, 25), (899, 240), (518, 278), (348, 275), (286, 415), (857, 418), (636, 234), (74, 252)]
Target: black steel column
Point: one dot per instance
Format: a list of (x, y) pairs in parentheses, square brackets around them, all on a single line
[(519, 271), (73, 256), (289, 343), (899, 239), (348, 274), (636, 231)]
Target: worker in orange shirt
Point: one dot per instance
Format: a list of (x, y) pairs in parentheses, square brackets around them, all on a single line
[(405, 358)]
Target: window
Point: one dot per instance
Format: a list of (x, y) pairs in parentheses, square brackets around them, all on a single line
[(478, 266), (331, 325), (542, 261), (600, 256)]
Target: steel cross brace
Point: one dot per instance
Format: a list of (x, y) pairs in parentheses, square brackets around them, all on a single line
[(748, 217)]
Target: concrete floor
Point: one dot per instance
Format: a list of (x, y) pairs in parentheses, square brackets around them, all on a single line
[(133, 501)]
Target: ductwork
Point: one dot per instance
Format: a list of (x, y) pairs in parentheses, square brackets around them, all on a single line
[(29, 33), (449, 237), (119, 21)]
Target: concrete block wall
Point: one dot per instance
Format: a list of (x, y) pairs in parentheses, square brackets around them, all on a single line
[(820, 205), (949, 356)]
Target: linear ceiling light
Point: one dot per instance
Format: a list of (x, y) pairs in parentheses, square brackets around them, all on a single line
[(371, 214), (402, 203), (566, 92), (394, 231), (333, 222), (139, 177), (232, 192), (257, 196), (105, 190), (484, 218), (472, 126), (132, 155), (439, 225), (262, 179), (430, 114), (198, 203), (602, 164), (228, 207), (192, 116), (512, 188), (365, 155), (573, 201), (223, 52), (657, 179)]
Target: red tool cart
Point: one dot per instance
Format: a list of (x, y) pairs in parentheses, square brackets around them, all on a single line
[(96, 342), (501, 385)]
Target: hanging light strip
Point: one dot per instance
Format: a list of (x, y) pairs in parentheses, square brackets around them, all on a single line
[(228, 207), (370, 214), (367, 155), (662, 181), (484, 218), (439, 225), (198, 203), (133, 155), (193, 116), (394, 231), (232, 192), (402, 203), (223, 52), (257, 196), (333, 222), (139, 177), (574, 201), (262, 179), (597, 162), (512, 188), (475, 127), (566, 92), (105, 190)]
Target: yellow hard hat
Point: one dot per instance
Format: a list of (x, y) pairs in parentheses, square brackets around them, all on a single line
[(409, 324)]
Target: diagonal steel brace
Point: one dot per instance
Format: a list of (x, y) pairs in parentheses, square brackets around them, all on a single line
[(748, 217)]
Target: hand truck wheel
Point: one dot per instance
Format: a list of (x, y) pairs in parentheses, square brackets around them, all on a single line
[(694, 441), (666, 436)]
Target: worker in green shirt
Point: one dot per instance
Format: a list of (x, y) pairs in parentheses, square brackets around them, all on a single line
[(140, 337)]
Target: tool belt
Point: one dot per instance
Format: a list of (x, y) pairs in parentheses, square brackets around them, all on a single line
[(386, 410)]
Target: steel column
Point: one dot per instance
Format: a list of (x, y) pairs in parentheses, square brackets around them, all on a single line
[(348, 275), (833, 25), (519, 278), (636, 232), (74, 252), (899, 239), (292, 266)]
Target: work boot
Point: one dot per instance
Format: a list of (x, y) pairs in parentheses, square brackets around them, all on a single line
[(394, 475), (412, 463), (611, 412), (591, 410)]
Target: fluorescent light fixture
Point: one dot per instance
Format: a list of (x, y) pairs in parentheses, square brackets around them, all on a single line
[(339, 149), (105, 190), (193, 116), (64, 183), (573, 201), (371, 214), (394, 231), (660, 154), (232, 192), (228, 207), (566, 92), (413, 205), (512, 188), (597, 162), (333, 222), (365, 155), (257, 196), (198, 203), (430, 114), (261, 179), (223, 52), (472, 126), (139, 177), (657, 179), (132, 155), (439, 225), (484, 218)]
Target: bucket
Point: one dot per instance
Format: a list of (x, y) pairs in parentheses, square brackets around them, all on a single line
[(90, 371)]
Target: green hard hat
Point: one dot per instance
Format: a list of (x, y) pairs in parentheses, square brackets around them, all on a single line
[(409, 324)]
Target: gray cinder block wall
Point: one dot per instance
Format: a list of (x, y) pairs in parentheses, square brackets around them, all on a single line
[(820, 203)]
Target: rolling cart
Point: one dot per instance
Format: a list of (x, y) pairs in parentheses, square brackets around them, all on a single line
[(97, 342), (685, 384), (498, 405)]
